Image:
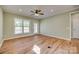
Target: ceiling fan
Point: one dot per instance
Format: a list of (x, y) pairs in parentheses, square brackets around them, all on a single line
[(37, 12)]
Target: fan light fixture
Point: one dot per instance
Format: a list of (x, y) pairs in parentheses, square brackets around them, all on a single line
[(36, 14)]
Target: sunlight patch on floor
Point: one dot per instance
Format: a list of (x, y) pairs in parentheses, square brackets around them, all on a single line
[(36, 49)]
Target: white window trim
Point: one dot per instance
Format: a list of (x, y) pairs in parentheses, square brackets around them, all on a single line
[(22, 27)]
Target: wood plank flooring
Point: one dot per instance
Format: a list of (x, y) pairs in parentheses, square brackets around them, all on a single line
[(38, 44)]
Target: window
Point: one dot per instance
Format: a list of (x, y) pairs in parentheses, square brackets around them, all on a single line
[(26, 26), (18, 26), (35, 28), (21, 26)]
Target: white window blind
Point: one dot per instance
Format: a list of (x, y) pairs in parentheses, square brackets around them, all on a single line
[(22, 26), (26, 26), (18, 26)]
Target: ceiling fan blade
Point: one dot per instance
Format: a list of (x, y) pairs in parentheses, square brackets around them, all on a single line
[(32, 11), (32, 14), (39, 10), (41, 13)]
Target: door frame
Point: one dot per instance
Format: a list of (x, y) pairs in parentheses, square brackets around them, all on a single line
[(71, 22)]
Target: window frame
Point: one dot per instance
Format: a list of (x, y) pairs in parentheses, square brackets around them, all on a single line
[(28, 26), (22, 26)]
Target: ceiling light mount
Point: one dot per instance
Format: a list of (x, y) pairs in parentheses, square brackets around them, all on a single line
[(51, 10), (36, 14), (20, 10)]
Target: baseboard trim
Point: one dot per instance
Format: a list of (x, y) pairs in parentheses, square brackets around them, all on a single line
[(57, 37), (21, 36), (74, 38), (36, 34)]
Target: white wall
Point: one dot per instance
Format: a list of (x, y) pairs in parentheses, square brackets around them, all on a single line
[(75, 24), (9, 25), (58, 26), (1, 27)]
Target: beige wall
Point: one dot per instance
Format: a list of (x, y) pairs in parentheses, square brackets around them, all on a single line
[(1, 26), (58, 26), (9, 25), (75, 24)]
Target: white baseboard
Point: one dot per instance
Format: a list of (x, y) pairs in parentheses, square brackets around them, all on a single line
[(34, 34), (57, 37), (18, 36)]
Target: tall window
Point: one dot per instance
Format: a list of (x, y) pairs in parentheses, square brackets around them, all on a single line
[(18, 26), (26, 26), (35, 27), (21, 26)]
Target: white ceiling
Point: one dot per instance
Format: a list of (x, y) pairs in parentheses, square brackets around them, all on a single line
[(48, 10)]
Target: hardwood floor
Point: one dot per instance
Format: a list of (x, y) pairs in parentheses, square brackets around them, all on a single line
[(39, 44)]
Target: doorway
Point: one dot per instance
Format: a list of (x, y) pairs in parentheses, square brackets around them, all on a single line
[(75, 25)]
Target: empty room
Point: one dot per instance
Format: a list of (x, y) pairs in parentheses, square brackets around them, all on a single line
[(39, 29)]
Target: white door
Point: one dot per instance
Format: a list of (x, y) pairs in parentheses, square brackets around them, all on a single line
[(35, 27), (75, 25)]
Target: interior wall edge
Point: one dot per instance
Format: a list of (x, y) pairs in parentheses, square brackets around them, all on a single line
[(70, 14), (57, 37), (20, 36), (1, 27), (1, 42)]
